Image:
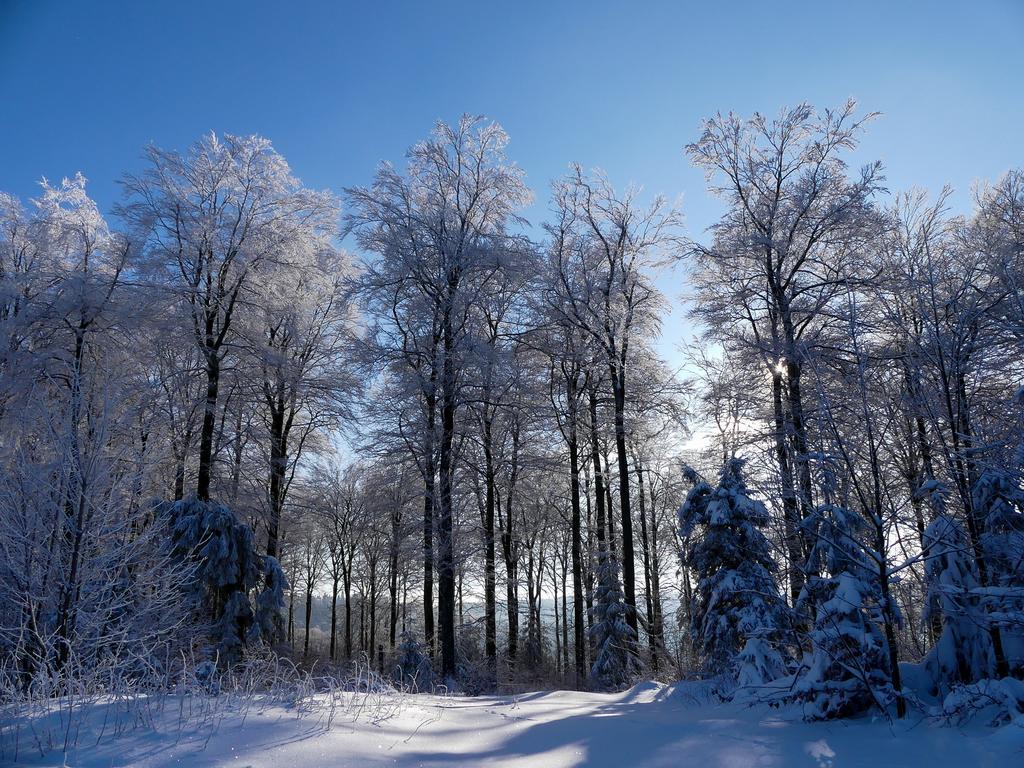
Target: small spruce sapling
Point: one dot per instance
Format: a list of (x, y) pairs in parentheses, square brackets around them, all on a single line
[(413, 671), (615, 661)]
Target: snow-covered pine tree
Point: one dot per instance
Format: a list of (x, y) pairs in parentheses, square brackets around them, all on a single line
[(847, 667), (963, 651), (738, 617), (615, 663), (227, 568), (998, 502)]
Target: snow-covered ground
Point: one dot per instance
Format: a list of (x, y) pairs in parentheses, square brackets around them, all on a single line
[(649, 725)]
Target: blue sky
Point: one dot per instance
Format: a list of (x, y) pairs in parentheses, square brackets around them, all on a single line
[(340, 86)]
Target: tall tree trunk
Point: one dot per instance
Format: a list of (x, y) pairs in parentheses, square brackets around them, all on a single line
[(278, 468), (309, 613), (794, 372), (628, 568), (512, 598), (428, 548), (362, 618), (180, 454), (578, 634), (565, 616), (75, 509), (462, 575), (559, 670), (611, 538), (657, 620), (334, 618), (393, 585), (445, 523), (373, 607), (490, 601), (347, 579), (589, 571), (888, 614), (790, 514), (510, 554), (646, 551), (599, 476), (209, 424)]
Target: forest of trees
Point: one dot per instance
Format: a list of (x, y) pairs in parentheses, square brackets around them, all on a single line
[(401, 426)]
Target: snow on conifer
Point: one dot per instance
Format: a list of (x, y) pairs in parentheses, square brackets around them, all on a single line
[(998, 502), (963, 651), (847, 666), (738, 616), (615, 661), (227, 568)]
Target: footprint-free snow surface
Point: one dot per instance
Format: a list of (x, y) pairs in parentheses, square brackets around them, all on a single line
[(649, 725)]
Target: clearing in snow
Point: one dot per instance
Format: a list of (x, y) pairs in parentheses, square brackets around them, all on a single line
[(648, 725)]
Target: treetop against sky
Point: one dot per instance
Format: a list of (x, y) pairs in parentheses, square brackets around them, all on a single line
[(339, 87)]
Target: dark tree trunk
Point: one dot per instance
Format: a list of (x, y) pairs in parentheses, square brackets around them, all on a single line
[(373, 606), (512, 597), (646, 550), (445, 526), (362, 618), (347, 578), (393, 586), (278, 469), (628, 569), (559, 670), (610, 537), (179, 470), (334, 618), (462, 618), (309, 612), (790, 514), (74, 509), (579, 643), (510, 554), (490, 601), (428, 535), (565, 617), (599, 482), (658, 624), (209, 424), (794, 372)]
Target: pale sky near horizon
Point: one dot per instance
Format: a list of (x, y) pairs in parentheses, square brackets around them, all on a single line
[(340, 86)]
